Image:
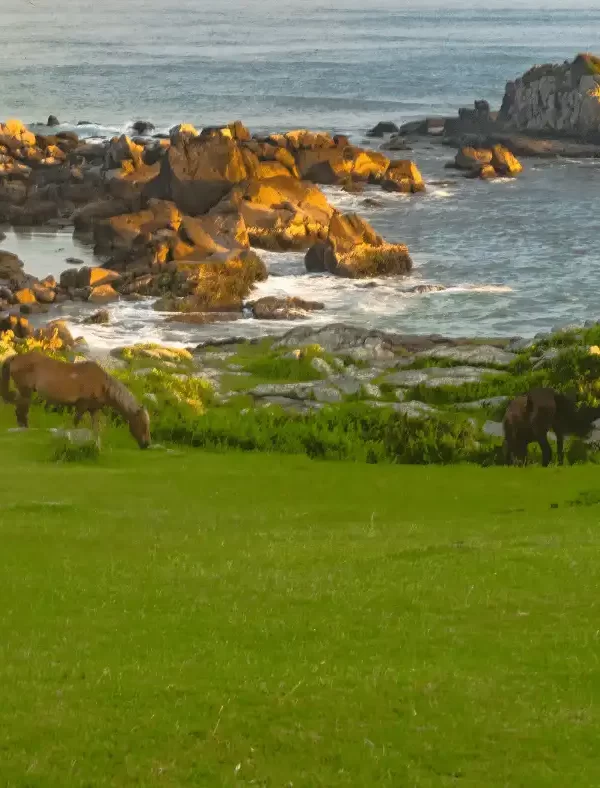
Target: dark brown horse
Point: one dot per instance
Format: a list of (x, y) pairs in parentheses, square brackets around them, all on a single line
[(530, 417), (85, 386)]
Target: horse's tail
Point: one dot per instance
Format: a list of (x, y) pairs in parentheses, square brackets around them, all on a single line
[(5, 392)]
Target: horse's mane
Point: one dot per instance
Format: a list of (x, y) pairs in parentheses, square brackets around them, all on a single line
[(120, 397)]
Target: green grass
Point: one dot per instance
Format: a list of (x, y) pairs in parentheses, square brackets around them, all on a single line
[(193, 619)]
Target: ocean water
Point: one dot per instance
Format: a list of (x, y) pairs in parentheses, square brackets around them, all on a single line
[(516, 256)]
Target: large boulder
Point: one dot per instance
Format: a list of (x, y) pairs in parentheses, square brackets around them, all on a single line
[(334, 165), (220, 283), (103, 294), (353, 249), (183, 132), (34, 212), (383, 127), (19, 326), (364, 261), (14, 132), (472, 158), (284, 213), (131, 231), (197, 173), (86, 217), (121, 149), (404, 176), (11, 270), (504, 162)]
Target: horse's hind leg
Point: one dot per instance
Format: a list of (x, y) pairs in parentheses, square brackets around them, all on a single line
[(22, 407)]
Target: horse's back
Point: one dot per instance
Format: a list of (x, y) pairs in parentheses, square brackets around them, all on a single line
[(58, 381)]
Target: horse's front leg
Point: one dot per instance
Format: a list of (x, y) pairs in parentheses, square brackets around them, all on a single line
[(80, 410), (546, 450), (95, 416), (560, 446)]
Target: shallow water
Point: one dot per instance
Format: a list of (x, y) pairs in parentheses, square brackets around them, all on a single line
[(516, 256)]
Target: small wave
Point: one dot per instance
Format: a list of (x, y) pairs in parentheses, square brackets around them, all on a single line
[(476, 288), (440, 193)]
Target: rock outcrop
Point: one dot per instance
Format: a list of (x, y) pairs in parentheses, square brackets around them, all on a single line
[(562, 99), (353, 249), (487, 163)]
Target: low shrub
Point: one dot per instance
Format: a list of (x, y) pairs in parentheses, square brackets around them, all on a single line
[(345, 432)]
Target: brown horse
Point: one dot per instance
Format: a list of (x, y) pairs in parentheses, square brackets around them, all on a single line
[(530, 417), (85, 386)]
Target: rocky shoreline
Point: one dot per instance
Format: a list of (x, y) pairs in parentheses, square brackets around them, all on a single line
[(551, 111), (183, 219)]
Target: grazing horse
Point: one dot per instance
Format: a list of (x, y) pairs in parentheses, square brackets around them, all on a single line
[(85, 386), (531, 416)]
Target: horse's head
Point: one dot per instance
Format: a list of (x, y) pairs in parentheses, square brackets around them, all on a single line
[(139, 427)]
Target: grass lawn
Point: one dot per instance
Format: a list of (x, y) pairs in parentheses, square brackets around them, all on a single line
[(192, 619)]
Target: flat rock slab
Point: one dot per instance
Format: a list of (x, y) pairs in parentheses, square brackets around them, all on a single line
[(287, 403), (493, 429), (348, 385), (358, 343), (288, 390), (475, 355), (490, 402), (433, 377), (412, 409)]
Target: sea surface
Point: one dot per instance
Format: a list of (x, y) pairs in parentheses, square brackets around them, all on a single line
[(516, 257)]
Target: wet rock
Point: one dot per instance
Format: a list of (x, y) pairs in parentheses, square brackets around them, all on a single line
[(420, 289), (354, 250), (396, 142), (142, 127), (74, 261), (383, 127), (403, 176), (103, 294), (291, 308), (204, 318), (504, 162), (52, 121), (472, 158), (99, 318)]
